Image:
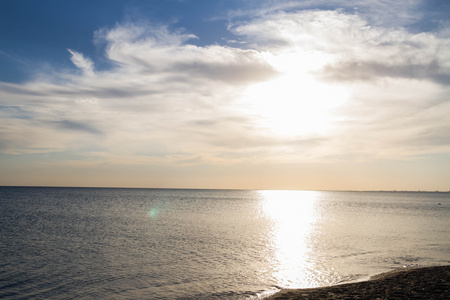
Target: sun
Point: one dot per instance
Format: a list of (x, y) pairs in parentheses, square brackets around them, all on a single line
[(294, 103)]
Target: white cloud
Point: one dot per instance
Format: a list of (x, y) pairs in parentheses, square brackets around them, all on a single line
[(168, 101), (392, 76), (157, 52), (152, 103), (85, 64), (385, 13)]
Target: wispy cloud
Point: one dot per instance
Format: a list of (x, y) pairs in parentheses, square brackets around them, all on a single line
[(85, 64), (166, 100), (384, 13), (390, 73), (151, 102)]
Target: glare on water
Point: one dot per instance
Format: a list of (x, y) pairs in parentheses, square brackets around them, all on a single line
[(209, 244), (293, 214)]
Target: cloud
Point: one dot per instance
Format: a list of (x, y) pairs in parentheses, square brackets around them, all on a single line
[(146, 104), (167, 101), (382, 13), (156, 51), (373, 70), (394, 54), (76, 126), (358, 51), (393, 76), (14, 112), (85, 64)]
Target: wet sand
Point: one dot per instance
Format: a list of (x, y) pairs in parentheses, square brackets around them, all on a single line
[(417, 283)]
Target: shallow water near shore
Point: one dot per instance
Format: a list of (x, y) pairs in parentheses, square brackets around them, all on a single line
[(205, 244)]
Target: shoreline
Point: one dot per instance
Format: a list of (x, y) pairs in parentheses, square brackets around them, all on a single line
[(410, 283)]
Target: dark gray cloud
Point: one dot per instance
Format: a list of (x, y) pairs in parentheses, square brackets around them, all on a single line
[(20, 89), (17, 112), (75, 126), (203, 123), (219, 121), (237, 73), (385, 13), (356, 50), (371, 70), (432, 137)]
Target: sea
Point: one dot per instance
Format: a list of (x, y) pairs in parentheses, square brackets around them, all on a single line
[(115, 243)]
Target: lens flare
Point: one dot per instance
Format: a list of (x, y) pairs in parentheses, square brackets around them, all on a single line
[(153, 213)]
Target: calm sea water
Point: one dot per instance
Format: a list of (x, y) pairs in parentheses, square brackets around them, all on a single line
[(63, 243)]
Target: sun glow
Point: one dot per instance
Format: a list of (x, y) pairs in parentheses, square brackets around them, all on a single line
[(295, 102)]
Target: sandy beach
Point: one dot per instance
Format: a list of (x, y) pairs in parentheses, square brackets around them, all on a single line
[(417, 283)]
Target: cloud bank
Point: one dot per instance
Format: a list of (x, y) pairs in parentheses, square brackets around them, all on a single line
[(166, 101)]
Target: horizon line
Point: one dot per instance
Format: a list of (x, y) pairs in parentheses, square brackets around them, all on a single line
[(220, 189)]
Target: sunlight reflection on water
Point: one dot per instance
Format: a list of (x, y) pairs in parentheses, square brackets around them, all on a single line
[(293, 214), (209, 244)]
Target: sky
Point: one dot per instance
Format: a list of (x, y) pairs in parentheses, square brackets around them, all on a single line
[(238, 94)]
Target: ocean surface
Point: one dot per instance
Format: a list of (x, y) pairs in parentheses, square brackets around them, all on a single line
[(86, 243)]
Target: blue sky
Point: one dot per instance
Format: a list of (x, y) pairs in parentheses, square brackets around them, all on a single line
[(225, 94), (35, 32), (39, 32)]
